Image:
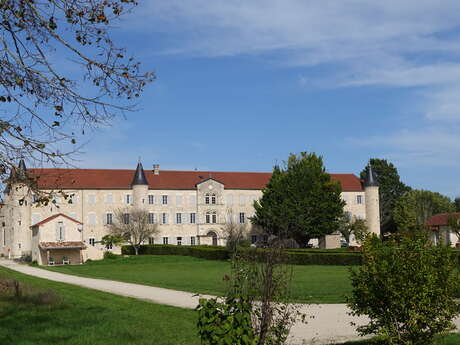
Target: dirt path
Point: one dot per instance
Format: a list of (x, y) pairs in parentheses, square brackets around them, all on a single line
[(326, 322)]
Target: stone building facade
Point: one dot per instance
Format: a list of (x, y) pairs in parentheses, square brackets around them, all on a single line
[(190, 207)]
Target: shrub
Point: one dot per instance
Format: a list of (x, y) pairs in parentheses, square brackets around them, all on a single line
[(110, 255), (406, 289), (204, 252)]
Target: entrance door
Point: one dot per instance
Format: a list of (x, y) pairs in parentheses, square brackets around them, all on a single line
[(214, 237)]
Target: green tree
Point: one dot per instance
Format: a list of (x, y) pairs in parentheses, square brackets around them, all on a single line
[(390, 190), (414, 208), (300, 201), (350, 225), (406, 289), (457, 204)]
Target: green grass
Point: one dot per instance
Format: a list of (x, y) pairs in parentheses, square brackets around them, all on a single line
[(313, 284), (89, 317)]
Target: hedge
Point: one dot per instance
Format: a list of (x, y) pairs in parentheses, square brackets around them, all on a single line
[(296, 257)]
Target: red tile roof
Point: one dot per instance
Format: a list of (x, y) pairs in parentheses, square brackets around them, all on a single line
[(441, 219), (62, 245), (44, 221), (167, 179)]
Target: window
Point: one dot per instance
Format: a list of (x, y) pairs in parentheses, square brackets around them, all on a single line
[(92, 241), (192, 240), (192, 218), (164, 218), (34, 198), (92, 199), (151, 240), (179, 200), (242, 218), (210, 199), (109, 199), (109, 246), (151, 199), (253, 239), (109, 219), (151, 219), (92, 218), (179, 241), (359, 199), (178, 218), (126, 218), (211, 217), (242, 200), (165, 240), (4, 237), (192, 200), (128, 199), (164, 199)]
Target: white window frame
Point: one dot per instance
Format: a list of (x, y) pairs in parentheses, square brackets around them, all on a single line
[(165, 240), (192, 241), (109, 218), (359, 199), (151, 240), (151, 199), (92, 241), (193, 218), (179, 240), (164, 199), (128, 199), (151, 219), (164, 218), (178, 218)]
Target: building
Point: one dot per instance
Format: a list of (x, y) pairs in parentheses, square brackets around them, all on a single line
[(190, 207), (441, 233)]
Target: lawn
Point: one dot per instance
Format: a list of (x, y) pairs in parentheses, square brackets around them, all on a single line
[(314, 284), (89, 317), (450, 339)]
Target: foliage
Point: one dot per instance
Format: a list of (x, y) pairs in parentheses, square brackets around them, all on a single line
[(48, 105), (133, 226), (406, 289), (111, 240), (454, 224), (300, 200), (353, 226), (226, 322), (457, 204), (254, 310), (415, 207), (390, 190), (204, 252), (110, 255)]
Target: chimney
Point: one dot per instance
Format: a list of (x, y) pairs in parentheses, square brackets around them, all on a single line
[(156, 169)]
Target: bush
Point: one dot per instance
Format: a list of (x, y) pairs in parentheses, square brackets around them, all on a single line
[(204, 252), (110, 255), (406, 289), (294, 257)]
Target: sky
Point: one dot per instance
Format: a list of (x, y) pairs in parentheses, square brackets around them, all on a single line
[(241, 84)]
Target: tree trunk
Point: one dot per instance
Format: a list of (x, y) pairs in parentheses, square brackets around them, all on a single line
[(136, 250)]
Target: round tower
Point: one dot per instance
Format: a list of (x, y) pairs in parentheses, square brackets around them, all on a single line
[(140, 187), (371, 192)]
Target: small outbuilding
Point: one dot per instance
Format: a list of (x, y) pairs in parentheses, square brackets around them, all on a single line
[(57, 240), (441, 232)]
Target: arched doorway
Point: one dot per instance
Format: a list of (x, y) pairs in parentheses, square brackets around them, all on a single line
[(214, 237)]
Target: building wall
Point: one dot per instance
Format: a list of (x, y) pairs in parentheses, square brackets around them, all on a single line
[(90, 207)]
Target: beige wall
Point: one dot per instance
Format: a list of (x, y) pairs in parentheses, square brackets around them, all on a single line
[(91, 207)]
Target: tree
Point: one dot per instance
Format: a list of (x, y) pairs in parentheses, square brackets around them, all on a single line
[(48, 105), (300, 200), (457, 204), (390, 189), (407, 289), (353, 226), (133, 225), (454, 224), (233, 232), (414, 208)]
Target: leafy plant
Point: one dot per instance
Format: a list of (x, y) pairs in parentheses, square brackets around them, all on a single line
[(406, 288)]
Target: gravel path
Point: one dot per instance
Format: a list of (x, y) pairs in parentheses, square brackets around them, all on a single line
[(326, 323)]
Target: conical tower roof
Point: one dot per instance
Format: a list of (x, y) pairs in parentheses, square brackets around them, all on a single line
[(139, 176), (370, 180)]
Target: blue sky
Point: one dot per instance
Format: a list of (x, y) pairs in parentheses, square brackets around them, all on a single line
[(241, 84)]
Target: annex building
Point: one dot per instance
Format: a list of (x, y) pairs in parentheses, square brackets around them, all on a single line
[(190, 208)]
